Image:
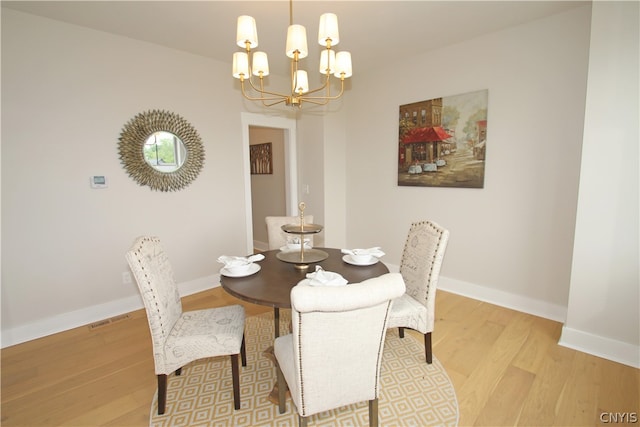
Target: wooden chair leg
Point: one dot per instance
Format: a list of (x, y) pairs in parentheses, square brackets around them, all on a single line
[(401, 332), (162, 394), (427, 347), (235, 376), (302, 421), (282, 390), (243, 352), (373, 413)]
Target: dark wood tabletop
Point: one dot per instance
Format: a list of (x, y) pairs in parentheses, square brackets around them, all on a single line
[(272, 285)]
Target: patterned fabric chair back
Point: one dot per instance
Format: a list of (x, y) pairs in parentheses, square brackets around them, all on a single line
[(421, 262), (154, 276)]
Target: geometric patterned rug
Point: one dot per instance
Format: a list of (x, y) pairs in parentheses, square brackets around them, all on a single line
[(412, 393)]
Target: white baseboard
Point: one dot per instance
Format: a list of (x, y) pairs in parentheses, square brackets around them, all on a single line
[(85, 316), (261, 246), (600, 346), (521, 303)]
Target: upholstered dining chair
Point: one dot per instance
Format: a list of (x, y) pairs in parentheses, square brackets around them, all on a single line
[(333, 356), (277, 237), (182, 337), (420, 268)]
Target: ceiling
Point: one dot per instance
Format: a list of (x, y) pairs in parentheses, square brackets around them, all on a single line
[(376, 32)]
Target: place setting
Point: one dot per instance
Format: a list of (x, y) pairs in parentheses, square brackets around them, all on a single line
[(238, 266), (362, 257)]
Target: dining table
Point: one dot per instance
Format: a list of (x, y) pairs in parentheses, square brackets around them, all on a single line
[(271, 284)]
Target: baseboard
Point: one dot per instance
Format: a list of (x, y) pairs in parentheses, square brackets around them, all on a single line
[(261, 246), (600, 346), (521, 303), (85, 316)]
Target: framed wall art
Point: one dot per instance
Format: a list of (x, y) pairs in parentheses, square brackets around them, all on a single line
[(443, 141), (261, 158)]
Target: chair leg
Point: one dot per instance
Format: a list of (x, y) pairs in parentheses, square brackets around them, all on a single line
[(243, 352), (302, 421), (401, 332), (373, 413), (162, 393), (282, 390), (235, 376), (427, 347)]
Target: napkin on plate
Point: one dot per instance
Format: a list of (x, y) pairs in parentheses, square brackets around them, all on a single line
[(325, 278), (375, 251), (237, 261)]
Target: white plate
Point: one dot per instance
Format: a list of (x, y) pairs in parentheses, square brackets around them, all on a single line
[(349, 260), (288, 249), (253, 269)]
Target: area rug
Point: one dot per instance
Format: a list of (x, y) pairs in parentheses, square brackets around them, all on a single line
[(412, 392)]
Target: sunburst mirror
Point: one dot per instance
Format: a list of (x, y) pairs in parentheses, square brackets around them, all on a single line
[(161, 150)]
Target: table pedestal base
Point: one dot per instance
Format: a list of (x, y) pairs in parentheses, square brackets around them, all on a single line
[(273, 396)]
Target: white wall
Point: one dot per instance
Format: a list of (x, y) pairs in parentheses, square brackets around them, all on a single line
[(511, 242), (66, 93), (604, 299)]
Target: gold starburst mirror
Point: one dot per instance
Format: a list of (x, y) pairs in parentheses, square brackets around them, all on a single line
[(161, 149)]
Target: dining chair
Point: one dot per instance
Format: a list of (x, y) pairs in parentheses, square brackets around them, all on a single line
[(278, 238), (182, 337), (333, 356), (420, 268)]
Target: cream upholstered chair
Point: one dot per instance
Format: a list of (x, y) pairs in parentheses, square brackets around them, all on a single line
[(181, 337), (420, 268), (277, 237), (333, 356)]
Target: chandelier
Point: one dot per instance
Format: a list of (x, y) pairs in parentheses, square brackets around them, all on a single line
[(246, 65)]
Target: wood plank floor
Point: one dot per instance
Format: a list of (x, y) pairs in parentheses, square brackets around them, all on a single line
[(506, 367)]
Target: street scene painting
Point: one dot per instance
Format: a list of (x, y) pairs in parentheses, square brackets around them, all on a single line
[(443, 141)]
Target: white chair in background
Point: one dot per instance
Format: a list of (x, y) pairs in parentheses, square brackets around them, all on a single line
[(181, 337), (277, 237)]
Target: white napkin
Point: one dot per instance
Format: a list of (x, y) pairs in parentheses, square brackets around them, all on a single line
[(375, 251), (236, 261), (325, 278)]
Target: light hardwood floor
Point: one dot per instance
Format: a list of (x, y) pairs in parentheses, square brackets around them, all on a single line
[(506, 367)]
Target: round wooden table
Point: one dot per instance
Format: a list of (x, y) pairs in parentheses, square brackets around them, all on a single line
[(271, 286)]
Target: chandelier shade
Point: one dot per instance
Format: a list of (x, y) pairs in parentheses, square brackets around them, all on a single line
[(247, 66)]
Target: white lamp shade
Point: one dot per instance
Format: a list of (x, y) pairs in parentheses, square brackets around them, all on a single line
[(301, 82), (328, 29), (297, 41), (327, 61), (343, 65), (247, 32), (240, 65), (260, 64)]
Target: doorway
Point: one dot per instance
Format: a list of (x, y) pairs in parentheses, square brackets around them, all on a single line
[(288, 127)]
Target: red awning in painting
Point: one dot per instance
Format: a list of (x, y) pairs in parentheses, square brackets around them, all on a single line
[(428, 134)]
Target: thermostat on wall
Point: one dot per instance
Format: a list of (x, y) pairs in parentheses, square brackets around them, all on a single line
[(98, 181)]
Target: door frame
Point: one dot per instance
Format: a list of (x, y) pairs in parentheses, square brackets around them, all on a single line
[(290, 161)]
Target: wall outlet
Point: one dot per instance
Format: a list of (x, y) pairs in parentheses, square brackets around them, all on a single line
[(126, 278)]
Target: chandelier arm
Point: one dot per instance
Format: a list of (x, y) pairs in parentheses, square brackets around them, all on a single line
[(276, 96), (325, 85), (305, 98)]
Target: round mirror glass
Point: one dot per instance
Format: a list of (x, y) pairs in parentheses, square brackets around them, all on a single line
[(164, 151)]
